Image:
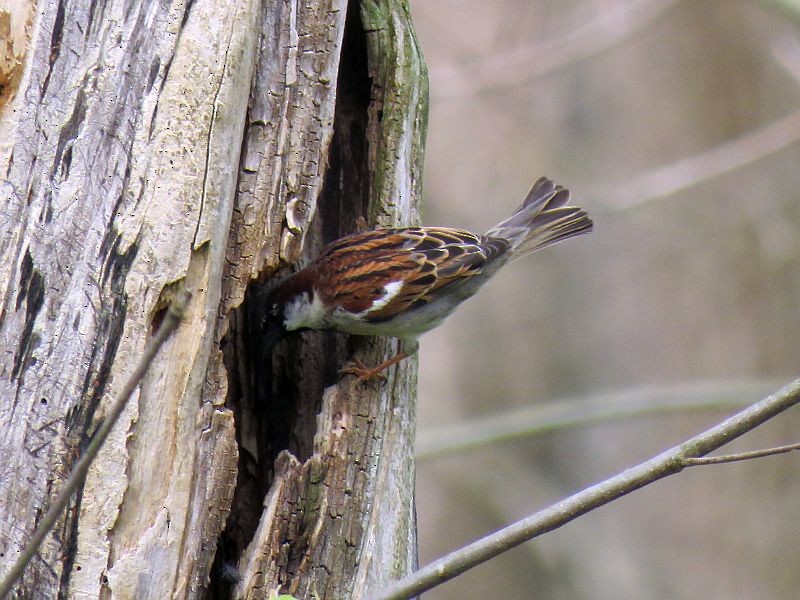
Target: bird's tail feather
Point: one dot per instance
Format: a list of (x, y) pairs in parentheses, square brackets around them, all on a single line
[(543, 219)]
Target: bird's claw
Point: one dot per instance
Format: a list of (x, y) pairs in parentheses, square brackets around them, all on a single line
[(363, 372)]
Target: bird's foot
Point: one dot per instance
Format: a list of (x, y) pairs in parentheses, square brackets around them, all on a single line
[(365, 373)]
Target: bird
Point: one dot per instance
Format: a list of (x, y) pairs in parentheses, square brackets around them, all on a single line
[(405, 281)]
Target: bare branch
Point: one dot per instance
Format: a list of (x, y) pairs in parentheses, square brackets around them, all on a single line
[(524, 64), (729, 458), (786, 52), (701, 167), (667, 463), (587, 410), (171, 320)]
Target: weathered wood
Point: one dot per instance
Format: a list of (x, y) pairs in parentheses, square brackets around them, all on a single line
[(158, 145), (109, 199), (338, 519)]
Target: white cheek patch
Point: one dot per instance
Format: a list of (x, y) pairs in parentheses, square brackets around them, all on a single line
[(303, 311), (294, 312), (390, 291)]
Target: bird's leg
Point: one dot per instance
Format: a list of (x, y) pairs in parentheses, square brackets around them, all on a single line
[(365, 373)]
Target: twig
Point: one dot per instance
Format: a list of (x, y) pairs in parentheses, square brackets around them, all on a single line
[(746, 149), (693, 170), (786, 52), (668, 463), (580, 411), (528, 62), (729, 458), (171, 320)]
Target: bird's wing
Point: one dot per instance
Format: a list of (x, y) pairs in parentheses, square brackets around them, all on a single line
[(381, 273)]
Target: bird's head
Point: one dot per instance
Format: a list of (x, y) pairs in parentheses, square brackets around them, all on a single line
[(290, 306)]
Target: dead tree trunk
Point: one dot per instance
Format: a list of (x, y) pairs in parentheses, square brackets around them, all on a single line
[(146, 146)]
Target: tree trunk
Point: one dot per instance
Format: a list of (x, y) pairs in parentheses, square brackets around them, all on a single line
[(150, 146)]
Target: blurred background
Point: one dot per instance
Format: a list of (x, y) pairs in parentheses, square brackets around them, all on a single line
[(675, 124)]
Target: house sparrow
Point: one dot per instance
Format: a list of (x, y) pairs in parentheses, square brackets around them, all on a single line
[(405, 281)]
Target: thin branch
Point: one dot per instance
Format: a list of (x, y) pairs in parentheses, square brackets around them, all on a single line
[(668, 463), (724, 158), (524, 64), (171, 320), (729, 458), (693, 170), (786, 52), (588, 410)]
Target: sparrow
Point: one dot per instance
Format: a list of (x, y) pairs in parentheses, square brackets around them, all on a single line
[(405, 281)]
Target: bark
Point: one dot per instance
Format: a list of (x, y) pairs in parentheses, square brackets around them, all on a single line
[(150, 146)]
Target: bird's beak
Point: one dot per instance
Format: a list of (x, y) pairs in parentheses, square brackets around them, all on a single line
[(272, 333)]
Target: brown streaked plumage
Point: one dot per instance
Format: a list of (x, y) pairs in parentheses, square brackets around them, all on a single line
[(406, 281), (426, 260)]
